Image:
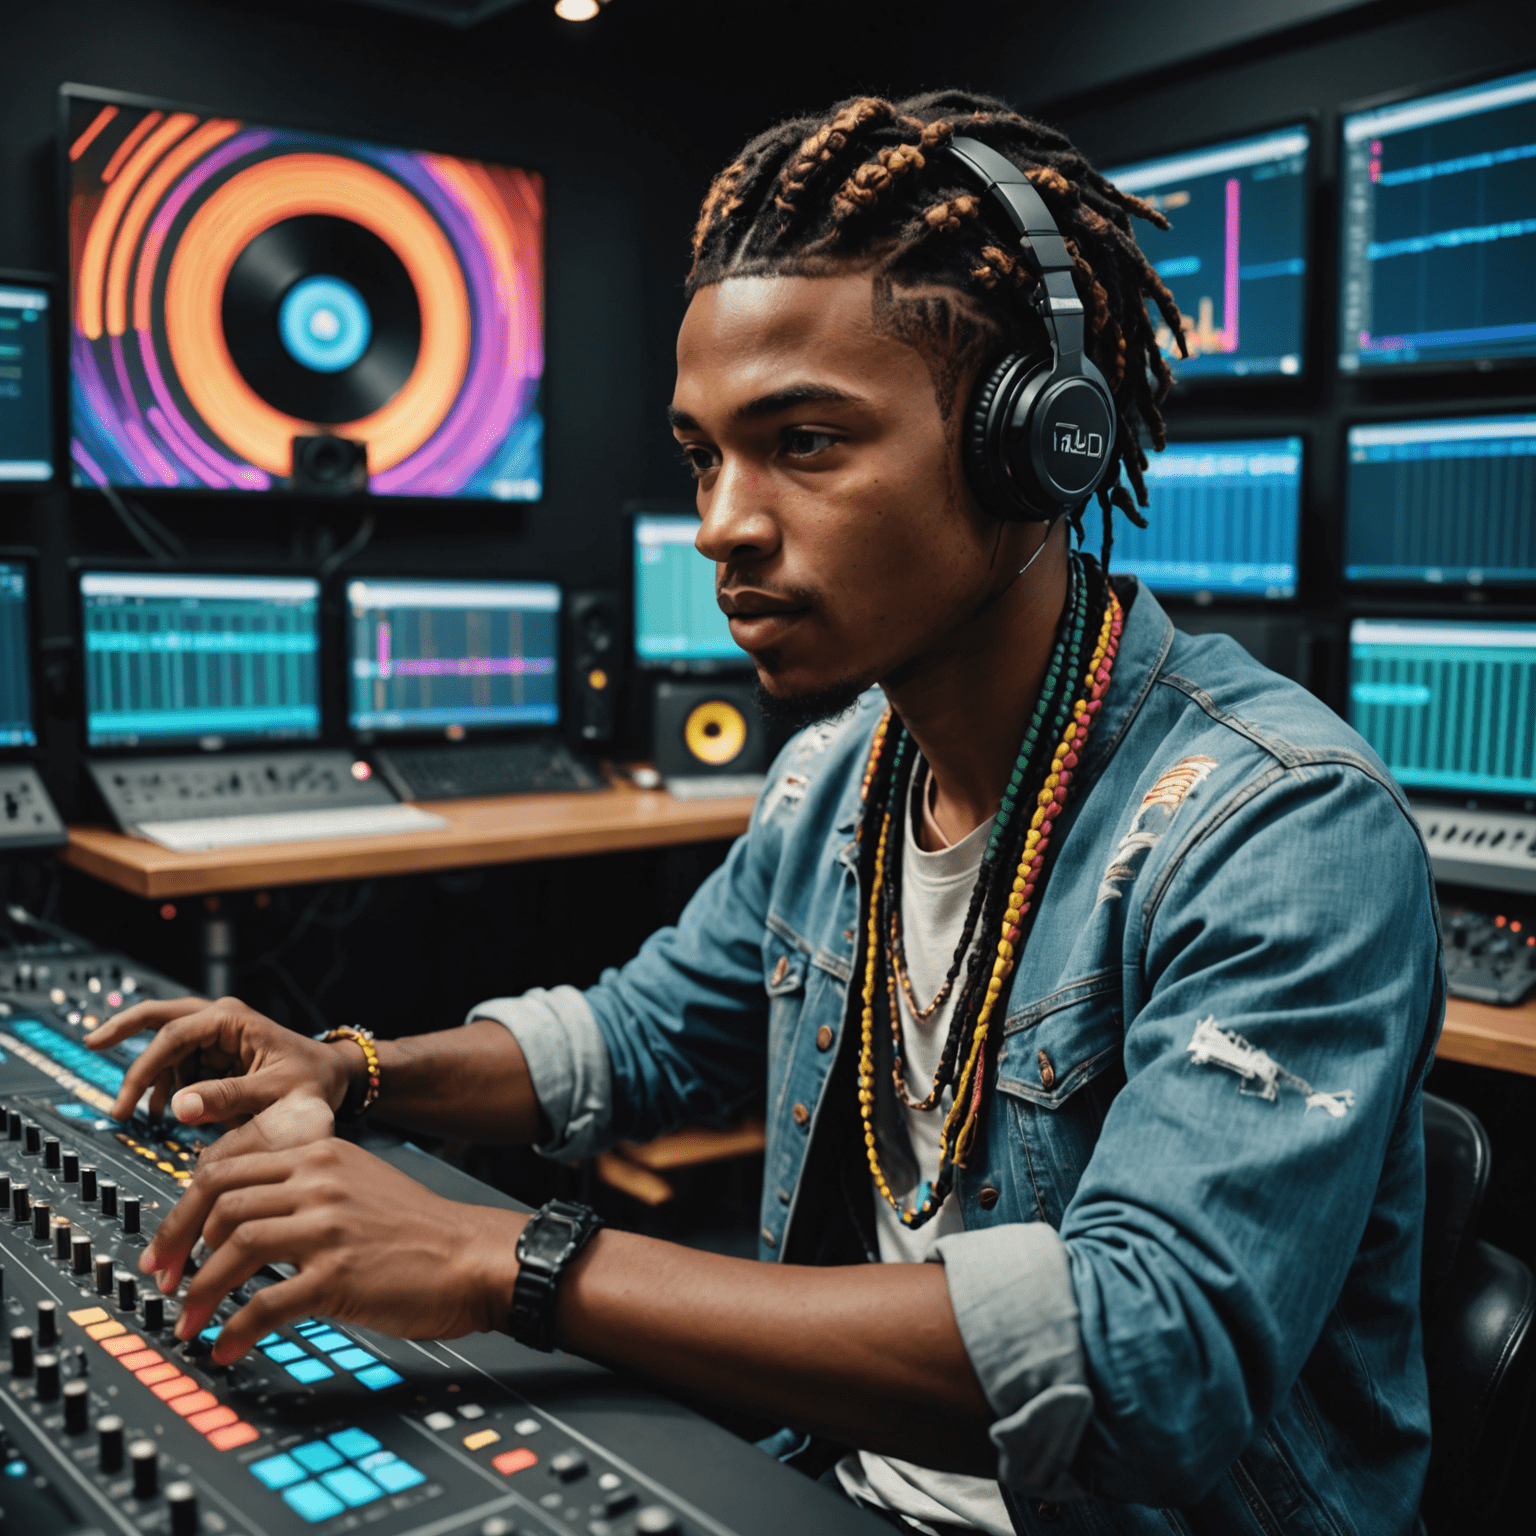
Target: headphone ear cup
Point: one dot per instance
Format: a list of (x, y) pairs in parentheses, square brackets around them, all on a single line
[(985, 445)]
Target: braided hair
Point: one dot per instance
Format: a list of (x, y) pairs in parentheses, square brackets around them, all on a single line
[(864, 185)]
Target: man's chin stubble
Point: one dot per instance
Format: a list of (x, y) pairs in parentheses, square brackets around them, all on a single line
[(794, 712)]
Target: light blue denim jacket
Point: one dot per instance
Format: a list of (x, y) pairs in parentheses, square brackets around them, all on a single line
[(1189, 1278)]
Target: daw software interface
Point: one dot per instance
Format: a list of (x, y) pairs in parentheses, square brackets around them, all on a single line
[(1450, 706), (1224, 519), (26, 415), (181, 659), (1235, 256), (15, 656), (1444, 502), (1439, 205), (452, 657), (677, 619)]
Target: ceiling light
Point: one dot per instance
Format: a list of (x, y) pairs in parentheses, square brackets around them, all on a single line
[(576, 10)]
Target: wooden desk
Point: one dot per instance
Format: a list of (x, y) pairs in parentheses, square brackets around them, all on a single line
[(1490, 1037), (509, 829)]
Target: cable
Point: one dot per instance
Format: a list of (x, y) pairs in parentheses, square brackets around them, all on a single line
[(149, 533), (354, 546)]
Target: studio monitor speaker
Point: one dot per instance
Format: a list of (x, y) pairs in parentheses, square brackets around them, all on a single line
[(707, 727), (594, 643)]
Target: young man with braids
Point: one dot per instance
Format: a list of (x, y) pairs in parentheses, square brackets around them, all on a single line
[(1086, 960)]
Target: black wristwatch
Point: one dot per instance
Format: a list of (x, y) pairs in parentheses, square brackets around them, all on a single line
[(555, 1234)]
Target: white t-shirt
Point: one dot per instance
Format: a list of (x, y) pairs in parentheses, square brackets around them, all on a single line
[(935, 892)]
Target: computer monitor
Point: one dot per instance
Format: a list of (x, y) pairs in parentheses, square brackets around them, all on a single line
[(678, 623), (17, 727), (452, 658), (1450, 502), (177, 659), (1449, 705), (1224, 519), (1439, 211), (26, 384), (1235, 257), (236, 284)]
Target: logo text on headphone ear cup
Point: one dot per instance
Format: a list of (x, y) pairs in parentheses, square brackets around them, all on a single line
[(1073, 428)]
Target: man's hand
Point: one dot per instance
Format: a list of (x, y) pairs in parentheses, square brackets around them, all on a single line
[(372, 1247), (222, 1061)]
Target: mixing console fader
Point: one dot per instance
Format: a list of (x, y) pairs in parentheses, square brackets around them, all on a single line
[(110, 1424)]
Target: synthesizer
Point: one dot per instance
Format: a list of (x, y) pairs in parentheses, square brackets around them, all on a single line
[(112, 1426)]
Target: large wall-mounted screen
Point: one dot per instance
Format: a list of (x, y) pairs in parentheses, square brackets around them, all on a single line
[(235, 285), (1235, 256), (26, 387), (1439, 221)]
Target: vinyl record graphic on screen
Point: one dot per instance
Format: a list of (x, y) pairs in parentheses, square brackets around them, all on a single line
[(236, 285)]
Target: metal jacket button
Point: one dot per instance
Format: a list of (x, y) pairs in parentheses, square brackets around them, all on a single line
[(801, 1114), (1047, 1071), (781, 970), (987, 1198), (824, 1038)]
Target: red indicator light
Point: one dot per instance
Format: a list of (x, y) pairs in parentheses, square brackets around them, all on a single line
[(515, 1461), (168, 911)]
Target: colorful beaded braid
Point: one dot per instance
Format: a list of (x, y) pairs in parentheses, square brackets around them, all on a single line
[(960, 1124)]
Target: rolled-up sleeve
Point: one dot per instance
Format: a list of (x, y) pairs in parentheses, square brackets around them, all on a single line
[(1029, 1358)]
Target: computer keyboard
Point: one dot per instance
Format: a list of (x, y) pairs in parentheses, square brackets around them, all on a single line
[(205, 833), (485, 768), (717, 786)]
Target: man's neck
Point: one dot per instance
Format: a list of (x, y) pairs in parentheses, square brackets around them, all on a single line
[(967, 703)]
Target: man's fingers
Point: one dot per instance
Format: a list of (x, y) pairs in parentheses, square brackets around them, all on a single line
[(293, 1121), (222, 1098), (244, 1251), (150, 1015), (176, 1040), (269, 1308), (255, 1203)]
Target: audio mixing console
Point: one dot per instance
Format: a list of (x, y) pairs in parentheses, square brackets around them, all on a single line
[(110, 1425)]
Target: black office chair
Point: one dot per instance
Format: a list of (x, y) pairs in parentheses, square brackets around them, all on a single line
[(1478, 1303)]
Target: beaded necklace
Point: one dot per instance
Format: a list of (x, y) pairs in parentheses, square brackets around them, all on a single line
[(1070, 710)]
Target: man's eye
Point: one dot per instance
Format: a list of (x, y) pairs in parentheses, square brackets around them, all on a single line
[(699, 459), (802, 443)]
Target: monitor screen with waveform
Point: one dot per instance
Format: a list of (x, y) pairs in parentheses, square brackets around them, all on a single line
[(1224, 519), (1235, 256), (16, 724), (26, 389), (174, 659), (1439, 233), (452, 657), (1449, 705), (237, 284), (1449, 502), (677, 620)]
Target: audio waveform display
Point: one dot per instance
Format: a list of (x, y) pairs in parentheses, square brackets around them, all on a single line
[(1442, 501), (677, 619), (211, 659), (1449, 705), (1235, 258), (1224, 518), (16, 728), (1440, 228), (236, 285), (26, 390), (452, 656)]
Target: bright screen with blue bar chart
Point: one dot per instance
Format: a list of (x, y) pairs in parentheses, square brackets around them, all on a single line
[(1448, 502), (16, 728), (1223, 519), (452, 657), (676, 616), (1449, 705), (1440, 228), (1235, 256), (26, 404), (206, 659)]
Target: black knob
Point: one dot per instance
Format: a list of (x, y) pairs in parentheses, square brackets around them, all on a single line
[(5, 1192), (42, 1218), (51, 1152), (87, 1183), (47, 1323), (48, 1378), (144, 1459), (80, 1253), (21, 1204), (154, 1312), (130, 1213), (108, 1189), (12, 1125), (71, 1167), (104, 1268), (21, 1352), (77, 1407), (32, 1137), (62, 1235), (181, 1500), (109, 1443), (127, 1291)]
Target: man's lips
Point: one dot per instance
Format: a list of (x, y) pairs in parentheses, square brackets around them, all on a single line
[(757, 618)]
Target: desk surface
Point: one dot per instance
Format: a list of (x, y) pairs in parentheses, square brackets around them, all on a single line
[(506, 829)]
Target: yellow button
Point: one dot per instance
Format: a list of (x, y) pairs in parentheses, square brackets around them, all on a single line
[(89, 1315), (480, 1439)]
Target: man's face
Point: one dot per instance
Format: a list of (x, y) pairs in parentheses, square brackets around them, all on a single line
[(830, 486)]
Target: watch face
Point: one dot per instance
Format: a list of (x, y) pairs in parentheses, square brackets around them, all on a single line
[(547, 1239)]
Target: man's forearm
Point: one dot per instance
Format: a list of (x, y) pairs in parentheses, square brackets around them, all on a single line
[(470, 1082)]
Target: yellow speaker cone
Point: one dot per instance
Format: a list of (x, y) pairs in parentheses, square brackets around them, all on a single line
[(715, 732)]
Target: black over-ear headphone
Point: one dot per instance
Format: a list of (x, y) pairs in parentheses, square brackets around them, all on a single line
[(1039, 428)]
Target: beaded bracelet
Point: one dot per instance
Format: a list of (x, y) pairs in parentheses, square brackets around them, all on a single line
[(363, 1040)]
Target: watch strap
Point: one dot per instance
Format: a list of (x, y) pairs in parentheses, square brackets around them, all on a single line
[(554, 1236)]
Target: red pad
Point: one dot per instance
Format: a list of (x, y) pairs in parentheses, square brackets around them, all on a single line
[(515, 1461)]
